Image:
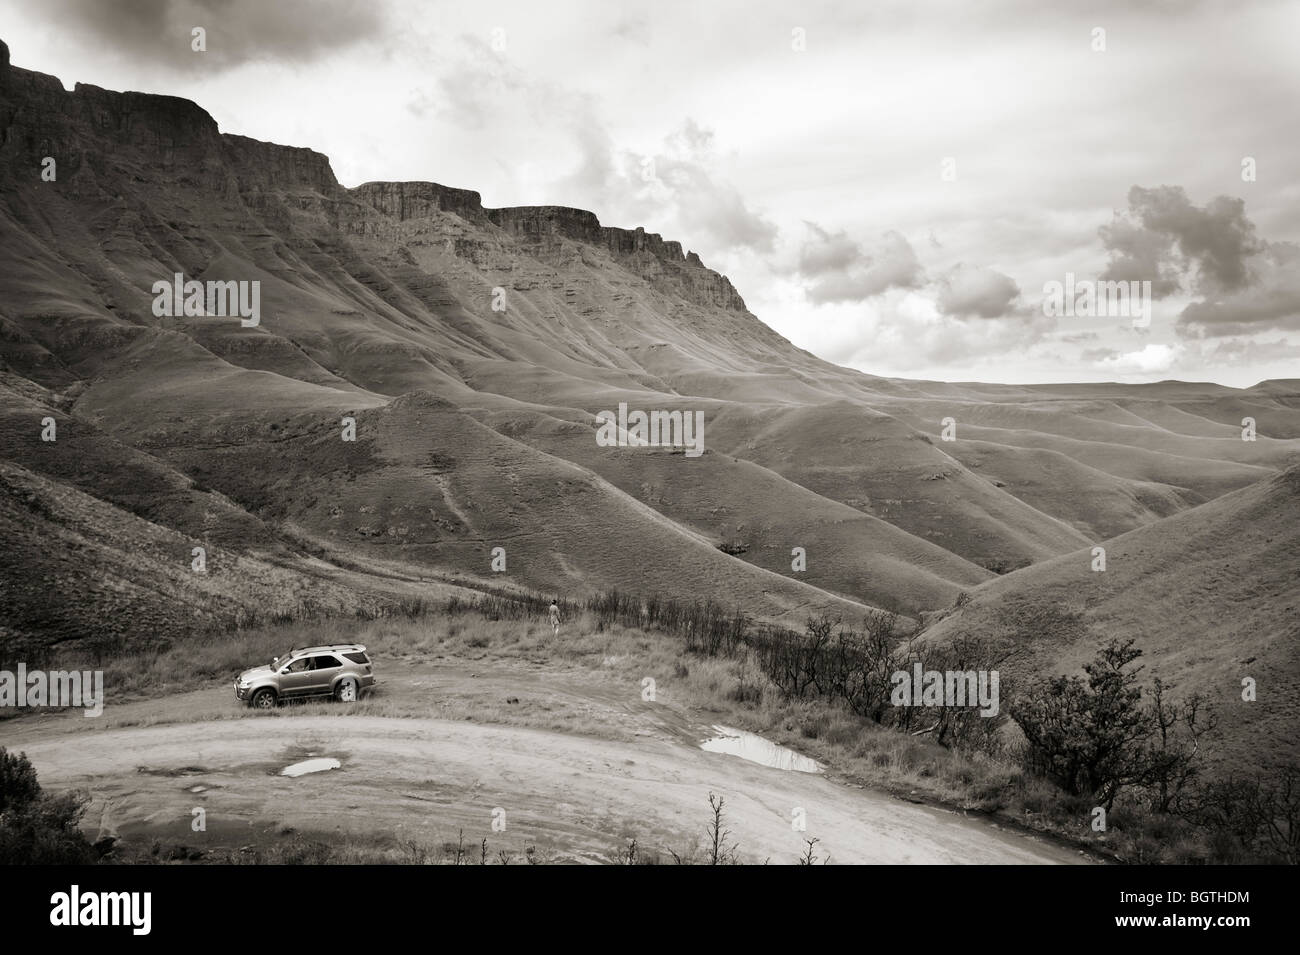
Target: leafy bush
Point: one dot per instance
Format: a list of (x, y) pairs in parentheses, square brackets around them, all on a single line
[(1255, 817), (1096, 737), (18, 785), (36, 828)]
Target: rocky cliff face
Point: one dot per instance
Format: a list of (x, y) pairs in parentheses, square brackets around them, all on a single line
[(93, 130), (165, 181), (542, 230), (537, 222), (97, 135), (278, 167), (420, 200), (540, 222), (646, 253)]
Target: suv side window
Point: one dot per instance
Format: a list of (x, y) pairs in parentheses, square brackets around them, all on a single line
[(327, 662), (299, 666), (357, 657)]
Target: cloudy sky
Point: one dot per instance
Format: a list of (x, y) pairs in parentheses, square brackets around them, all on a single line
[(890, 185)]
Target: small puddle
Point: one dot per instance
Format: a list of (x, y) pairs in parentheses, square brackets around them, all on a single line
[(754, 748), (311, 766)]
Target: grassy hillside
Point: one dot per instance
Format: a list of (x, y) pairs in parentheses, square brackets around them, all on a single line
[(1210, 595)]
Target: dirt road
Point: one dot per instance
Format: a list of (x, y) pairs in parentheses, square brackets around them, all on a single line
[(425, 779)]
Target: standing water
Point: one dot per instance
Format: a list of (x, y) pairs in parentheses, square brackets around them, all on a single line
[(310, 766), (754, 748)]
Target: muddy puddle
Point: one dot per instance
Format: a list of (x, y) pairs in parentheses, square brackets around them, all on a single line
[(318, 765), (756, 749)]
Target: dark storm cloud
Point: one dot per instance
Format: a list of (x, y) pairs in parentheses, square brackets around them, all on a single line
[(1276, 308), (1245, 284), (967, 291), (1163, 230), (1139, 254), (238, 31), (839, 269), (1271, 303)]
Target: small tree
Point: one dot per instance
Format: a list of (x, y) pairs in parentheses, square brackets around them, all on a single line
[(965, 727), (628, 856), (721, 852), (1178, 730), (810, 856), (1089, 737), (869, 667)]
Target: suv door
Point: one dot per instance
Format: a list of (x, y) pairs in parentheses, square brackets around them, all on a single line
[(297, 678), (325, 667)]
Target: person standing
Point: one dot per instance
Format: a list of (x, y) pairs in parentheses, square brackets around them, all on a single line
[(555, 618)]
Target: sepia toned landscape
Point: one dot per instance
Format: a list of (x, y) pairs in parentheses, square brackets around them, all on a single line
[(399, 447)]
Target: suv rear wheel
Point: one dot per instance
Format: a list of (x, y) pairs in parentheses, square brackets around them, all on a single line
[(263, 699), (346, 691)]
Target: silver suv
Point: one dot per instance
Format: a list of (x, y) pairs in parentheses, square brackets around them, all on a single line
[(340, 671)]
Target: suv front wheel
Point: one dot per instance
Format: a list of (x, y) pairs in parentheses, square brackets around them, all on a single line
[(346, 691), (263, 699)]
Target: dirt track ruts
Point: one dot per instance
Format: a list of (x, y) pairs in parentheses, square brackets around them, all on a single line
[(425, 779)]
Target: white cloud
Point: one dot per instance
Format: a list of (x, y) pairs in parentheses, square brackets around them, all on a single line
[(1153, 359)]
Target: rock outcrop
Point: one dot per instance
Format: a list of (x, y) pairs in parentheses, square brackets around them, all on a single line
[(92, 131), (660, 261), (420, 200), (278, 167)]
